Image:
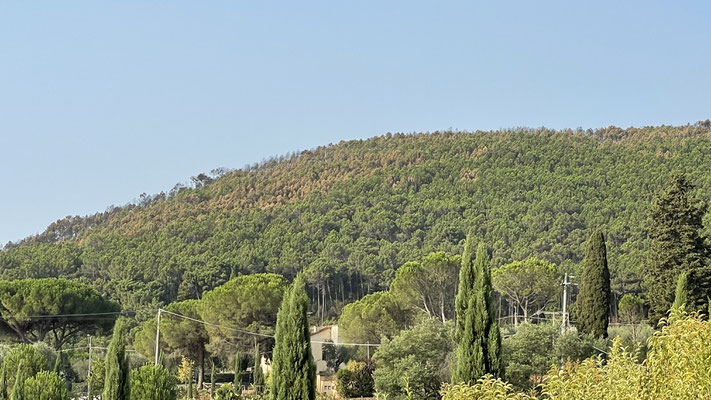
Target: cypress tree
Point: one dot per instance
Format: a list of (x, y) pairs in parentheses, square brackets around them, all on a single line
[(681, 295), (693, 290), (594, 297), (293, 368), (675, 226), (212, 379), (190, 384), (479, 339), (3, 382), (257, 373), (116, 379), (18, 389), (466, 285), (237, 382)]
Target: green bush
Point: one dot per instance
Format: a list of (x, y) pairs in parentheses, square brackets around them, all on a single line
[(226, 392), (414, 363), (46, 386), (355, 380), (153, 383), (529, 354), (23, 356)]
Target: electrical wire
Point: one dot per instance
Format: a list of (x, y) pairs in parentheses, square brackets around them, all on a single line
[(257, 333)]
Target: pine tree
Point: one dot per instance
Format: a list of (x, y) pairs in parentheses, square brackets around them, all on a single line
[(293, 368), (257, 373), (594, 297), (116, 380), (676, 244), (479, 339)]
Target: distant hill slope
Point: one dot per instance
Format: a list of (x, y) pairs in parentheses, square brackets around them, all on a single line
[(351, 213)]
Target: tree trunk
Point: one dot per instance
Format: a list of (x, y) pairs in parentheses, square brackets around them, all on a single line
[(201, 368)]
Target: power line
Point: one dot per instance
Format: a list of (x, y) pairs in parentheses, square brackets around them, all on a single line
[(81, 315), (260, 334)]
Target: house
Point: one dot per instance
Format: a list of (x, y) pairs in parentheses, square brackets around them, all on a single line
[(319, 336), (326, 384)]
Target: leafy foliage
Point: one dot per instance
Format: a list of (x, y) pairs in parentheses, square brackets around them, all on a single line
[(375, 316), (677, 243), (529, 284), (414, 362), (46, 386), (153, 383), (30, 308), (248, 302), (23, 360), (486, 388), (355, 380), (430, 285)]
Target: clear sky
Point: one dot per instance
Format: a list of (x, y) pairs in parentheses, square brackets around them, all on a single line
[(101, 101)]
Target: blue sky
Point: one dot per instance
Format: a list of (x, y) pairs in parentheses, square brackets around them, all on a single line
[(101, 101)]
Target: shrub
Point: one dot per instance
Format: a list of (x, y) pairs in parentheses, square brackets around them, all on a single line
[(355, 380), (486, 388), (23, 356), (46, 386), (226, 392), (153, 383)]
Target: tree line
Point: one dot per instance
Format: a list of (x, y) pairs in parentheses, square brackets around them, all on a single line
[(349, 215)]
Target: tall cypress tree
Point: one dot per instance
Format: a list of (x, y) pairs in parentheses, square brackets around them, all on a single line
[(116, 379), (675, 226), (479, 339), (466, 285), (293, 368), (594, 297), (212, 379), (237, 382), (3, 382), (18, 389)]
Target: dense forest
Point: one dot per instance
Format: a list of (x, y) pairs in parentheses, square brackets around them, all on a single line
[(350, 214)]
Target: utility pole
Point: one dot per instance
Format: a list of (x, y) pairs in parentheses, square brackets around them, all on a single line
[(88, 375), (565, 324), (158, 337)]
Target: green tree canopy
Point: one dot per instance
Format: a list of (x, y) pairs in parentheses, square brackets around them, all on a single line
[(414, 362), (248, 302), (49, 310), (429, 285), (373, 317), (530, 284), (677, 243)]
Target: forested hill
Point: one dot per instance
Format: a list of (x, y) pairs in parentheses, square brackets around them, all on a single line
[(351, 213)]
